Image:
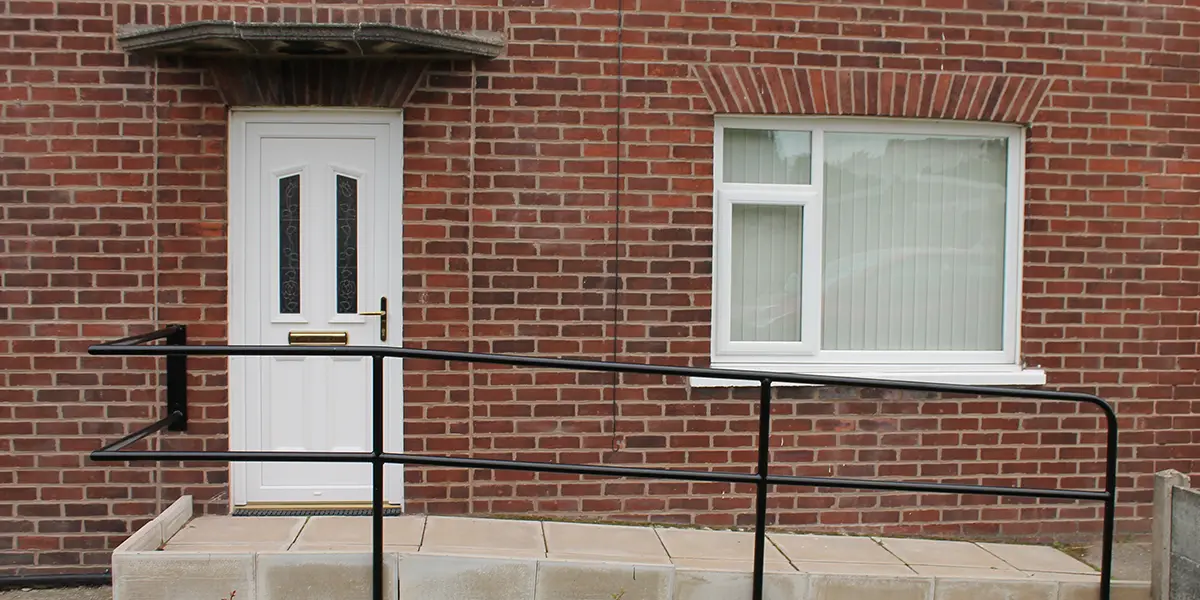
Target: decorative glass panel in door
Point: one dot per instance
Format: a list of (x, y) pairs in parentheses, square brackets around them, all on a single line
[(289, 245), (347, 245)]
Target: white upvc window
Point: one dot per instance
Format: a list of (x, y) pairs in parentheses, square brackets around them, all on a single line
[(869, 247)]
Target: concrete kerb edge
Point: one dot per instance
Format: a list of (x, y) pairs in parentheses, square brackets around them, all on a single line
[(154, 534), (553, 575), (1121, 590), (271, 572), (918, 585), (1014, 587)]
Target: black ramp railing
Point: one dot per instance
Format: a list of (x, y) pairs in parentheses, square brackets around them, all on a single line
[(176, 350)]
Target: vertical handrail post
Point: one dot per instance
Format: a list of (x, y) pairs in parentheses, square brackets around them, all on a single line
[(377, 478), (760, 499), (1110, 508), (177, 376)]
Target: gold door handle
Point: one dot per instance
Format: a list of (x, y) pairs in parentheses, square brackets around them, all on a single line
[(382, 313)]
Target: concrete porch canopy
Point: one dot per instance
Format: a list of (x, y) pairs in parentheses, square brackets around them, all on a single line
[(312, 64), (229, 39)]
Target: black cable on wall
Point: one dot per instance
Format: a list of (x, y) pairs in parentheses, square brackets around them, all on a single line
[(616, 377)]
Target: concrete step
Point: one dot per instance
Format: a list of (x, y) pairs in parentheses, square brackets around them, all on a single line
[(177, 557)]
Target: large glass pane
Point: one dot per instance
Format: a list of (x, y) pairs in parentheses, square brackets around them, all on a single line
[(347, 245), (289, 245), (914, 242), (765, 275), (763, 156)]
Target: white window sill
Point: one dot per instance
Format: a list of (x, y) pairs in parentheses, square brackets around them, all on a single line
[(1015, 377)]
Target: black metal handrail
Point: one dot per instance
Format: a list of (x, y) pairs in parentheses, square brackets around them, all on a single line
[(176, 350)]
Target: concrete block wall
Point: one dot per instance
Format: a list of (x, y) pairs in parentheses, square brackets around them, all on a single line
[(1175, 552)]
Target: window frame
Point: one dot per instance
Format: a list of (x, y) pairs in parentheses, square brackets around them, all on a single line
[(807, 355)]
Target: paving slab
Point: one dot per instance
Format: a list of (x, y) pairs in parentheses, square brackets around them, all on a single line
[(444, 533), (479, 552), (1067, 577), (578, 540), (1131, 560), (973, 572), (846, 568), (1037, 558), (609, 558), (735, 566), (828, 548), (360, 548), (226, 531), (397, 531), (724, 545), (942, 553)]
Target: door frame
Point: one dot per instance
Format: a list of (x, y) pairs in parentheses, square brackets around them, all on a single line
[(240, 294)]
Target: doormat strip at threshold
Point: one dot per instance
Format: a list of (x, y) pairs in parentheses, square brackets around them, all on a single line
[(313, 512)]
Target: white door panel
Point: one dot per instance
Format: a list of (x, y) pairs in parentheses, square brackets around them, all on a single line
[(314, 238)]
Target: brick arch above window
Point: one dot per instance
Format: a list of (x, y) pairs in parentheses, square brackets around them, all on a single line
[(767, 90)]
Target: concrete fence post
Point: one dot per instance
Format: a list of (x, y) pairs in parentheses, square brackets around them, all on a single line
[(1165, 483)]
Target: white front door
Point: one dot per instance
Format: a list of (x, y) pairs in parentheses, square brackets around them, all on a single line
[(315, 199)]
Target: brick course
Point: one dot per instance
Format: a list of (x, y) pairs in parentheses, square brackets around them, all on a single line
[(113, 222)]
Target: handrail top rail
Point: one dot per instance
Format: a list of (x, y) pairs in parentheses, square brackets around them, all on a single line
[(125, 347)]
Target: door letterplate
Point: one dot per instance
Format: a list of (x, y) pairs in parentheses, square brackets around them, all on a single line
[(318, 338)]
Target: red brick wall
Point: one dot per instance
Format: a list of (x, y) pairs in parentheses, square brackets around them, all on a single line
[(112, 220)]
